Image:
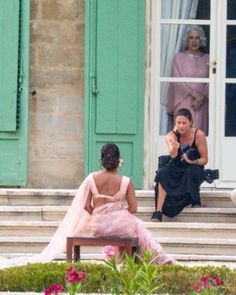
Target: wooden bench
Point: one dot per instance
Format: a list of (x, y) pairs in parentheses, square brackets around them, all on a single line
[(73, 245)]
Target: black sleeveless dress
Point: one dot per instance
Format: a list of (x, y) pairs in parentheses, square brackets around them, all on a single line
[(181, 181)]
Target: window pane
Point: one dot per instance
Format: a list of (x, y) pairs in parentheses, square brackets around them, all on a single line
[(230, 110), (185, 9), (177, 95), (231, 52), (184, 46), (231, 9)]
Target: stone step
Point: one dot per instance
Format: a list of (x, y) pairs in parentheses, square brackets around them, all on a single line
[(164, 229), (192, 230), (210, 198), (36, 197), (190, 260), (56, 213), (186, 246), (33, 213), (28, 228), (49, 197), (199, 246), (215, 215), (204, 260)]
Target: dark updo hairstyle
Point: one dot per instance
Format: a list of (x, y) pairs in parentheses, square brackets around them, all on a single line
[(110, 156), (184, 112)]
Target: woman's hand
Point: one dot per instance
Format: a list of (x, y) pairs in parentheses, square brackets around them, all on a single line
[(198, 100), (186, 159), (196, 104), (173, 145)]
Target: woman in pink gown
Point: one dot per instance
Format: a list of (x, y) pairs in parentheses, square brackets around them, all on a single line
[(191, 63), (105, 203)]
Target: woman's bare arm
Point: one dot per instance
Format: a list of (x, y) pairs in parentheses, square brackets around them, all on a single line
[(173, 144), (201, 143), (131, 198), (88, 207)]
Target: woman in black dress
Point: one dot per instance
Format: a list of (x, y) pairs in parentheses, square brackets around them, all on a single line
[(179, 180)]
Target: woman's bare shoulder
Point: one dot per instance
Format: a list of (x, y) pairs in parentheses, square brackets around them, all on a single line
[(200, 133), (104, 176), (200, 136)]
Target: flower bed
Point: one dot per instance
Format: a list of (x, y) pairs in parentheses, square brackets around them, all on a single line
[(131, 277)]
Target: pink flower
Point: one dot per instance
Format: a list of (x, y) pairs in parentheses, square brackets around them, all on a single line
[(53, 289), (204, 281), (109, 251), (218, 281), (72, 276)]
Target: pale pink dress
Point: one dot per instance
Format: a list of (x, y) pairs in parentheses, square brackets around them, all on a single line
[(113, 219), (191, 66)]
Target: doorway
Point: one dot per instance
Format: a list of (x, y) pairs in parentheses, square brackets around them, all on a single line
[(217, 19)]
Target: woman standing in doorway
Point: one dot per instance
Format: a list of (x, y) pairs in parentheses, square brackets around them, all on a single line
[(191, 63)]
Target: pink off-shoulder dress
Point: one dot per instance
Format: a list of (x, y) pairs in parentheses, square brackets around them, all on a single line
[(113, 219)]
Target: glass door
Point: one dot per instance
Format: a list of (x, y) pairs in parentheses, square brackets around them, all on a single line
[(186, 67), (194, 66), (184, 61)]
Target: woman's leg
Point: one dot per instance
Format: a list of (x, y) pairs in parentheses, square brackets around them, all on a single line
[(159, 201), (161, 197)]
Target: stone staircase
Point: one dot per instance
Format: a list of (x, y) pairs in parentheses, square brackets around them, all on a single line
[(198, 236)]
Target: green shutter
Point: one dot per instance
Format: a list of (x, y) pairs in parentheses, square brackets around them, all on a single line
[(117, 66), (114, 83), (9, 39), (14, 81)]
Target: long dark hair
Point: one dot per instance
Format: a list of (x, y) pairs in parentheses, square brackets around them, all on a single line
[(110, 155), (184, 112)]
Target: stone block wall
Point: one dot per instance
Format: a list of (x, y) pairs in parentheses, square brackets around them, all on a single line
[(56, 103)]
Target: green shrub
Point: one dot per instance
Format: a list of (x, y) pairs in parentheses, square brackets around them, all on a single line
[(172, 279), (38, 277)]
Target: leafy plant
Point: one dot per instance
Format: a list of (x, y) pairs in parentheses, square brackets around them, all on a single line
[(136, 275)]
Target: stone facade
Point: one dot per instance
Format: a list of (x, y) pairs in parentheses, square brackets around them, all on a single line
[(56, 130)]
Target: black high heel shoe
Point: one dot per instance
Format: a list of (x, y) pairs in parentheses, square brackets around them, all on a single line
[(157, 216)]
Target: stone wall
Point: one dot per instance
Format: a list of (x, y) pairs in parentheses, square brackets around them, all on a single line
[(56, 109)]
